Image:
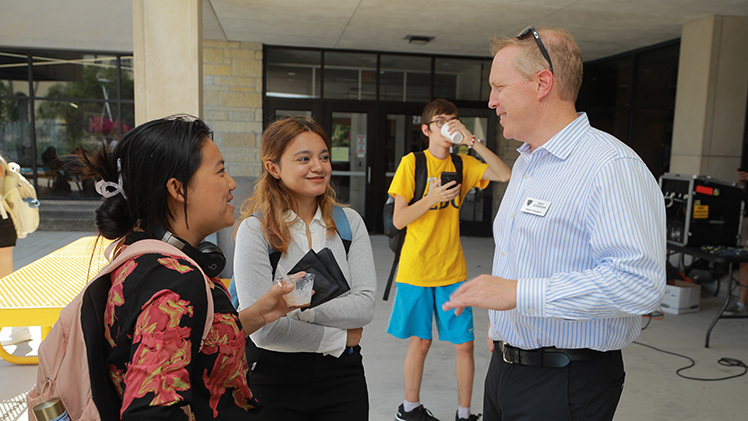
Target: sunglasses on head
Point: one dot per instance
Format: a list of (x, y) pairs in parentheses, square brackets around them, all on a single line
[(531, 30)]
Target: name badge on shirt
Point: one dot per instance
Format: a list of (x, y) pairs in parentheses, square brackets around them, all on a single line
[(536, 206)]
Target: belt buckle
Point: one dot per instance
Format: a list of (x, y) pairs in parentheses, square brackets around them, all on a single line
[(510, 355)]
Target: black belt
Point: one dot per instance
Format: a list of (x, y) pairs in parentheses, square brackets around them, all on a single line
[(546, 357)]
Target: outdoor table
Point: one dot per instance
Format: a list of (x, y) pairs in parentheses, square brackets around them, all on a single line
[(35, 294)]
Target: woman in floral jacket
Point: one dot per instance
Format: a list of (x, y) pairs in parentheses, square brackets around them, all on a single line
[(166, 180)]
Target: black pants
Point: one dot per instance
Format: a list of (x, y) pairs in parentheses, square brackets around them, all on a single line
[(308, 386), (583, 390), (7, 231)]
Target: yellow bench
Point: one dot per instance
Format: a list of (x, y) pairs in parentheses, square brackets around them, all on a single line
[(35, 294)]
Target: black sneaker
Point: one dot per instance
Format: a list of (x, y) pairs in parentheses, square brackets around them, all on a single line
[(418, 414), (472, 417)]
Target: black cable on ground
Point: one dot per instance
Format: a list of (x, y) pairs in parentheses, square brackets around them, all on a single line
[(725, 361)]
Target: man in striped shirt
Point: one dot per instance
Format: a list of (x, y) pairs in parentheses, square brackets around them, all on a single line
[(580, 244)]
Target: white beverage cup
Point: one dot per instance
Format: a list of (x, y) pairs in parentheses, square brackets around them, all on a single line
[(455, 137), (301, 296)]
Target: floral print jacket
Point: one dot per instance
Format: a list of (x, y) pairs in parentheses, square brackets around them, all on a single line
[(154, 322)]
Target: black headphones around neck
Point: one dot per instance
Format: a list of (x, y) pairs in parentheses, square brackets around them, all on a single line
[(208, 255)]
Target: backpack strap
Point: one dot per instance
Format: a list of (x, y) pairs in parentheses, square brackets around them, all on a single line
[(457, 162), (421, 176), (233, 293), (343, 227)]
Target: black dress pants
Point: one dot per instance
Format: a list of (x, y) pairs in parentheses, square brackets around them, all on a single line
[(308, 386), (583, 390)]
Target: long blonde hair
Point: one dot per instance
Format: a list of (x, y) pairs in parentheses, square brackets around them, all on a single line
[(269, 200)]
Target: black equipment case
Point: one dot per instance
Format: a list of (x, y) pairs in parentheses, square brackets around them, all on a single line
[(701, 210)]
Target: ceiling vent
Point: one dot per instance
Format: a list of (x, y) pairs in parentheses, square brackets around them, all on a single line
[(418, 39)]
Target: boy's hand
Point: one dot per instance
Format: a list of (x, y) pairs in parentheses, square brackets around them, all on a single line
[(456, 125), (444, 193), (742, 175)]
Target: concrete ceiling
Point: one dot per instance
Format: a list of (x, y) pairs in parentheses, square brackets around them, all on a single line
[(462, 27)]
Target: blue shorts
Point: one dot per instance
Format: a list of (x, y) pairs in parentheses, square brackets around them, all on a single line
[(413, 310)]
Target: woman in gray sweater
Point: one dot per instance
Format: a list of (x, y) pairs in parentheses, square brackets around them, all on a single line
[(308, 364)]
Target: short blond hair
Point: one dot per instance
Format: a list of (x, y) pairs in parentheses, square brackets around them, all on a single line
[(563, 50)]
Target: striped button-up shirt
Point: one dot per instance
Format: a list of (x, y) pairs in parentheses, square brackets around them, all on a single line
[(582, 229)]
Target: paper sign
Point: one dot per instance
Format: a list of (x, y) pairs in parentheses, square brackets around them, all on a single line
[(361, 146)]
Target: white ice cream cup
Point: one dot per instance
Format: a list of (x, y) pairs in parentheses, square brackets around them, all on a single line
[(301, 296)]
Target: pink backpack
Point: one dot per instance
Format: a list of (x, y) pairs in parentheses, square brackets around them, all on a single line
[(71, 362)]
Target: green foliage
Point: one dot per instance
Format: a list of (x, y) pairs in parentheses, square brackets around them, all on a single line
[(340, 135), (8, 106), (93, 81)]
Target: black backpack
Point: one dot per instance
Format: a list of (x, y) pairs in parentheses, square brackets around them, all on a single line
[(397, 236)]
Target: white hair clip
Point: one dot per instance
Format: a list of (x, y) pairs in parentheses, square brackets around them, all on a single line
[(109, 189)]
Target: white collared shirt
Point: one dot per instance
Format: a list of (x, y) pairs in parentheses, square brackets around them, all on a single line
[(299, 240)]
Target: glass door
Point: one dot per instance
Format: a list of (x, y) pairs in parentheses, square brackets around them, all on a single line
[(350, 139), (476, 211), (402, 136)]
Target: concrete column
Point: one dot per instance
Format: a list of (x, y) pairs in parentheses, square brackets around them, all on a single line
[(167, 50), (710, 104)]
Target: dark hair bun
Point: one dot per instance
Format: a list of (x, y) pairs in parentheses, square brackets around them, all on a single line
[(113, 218)]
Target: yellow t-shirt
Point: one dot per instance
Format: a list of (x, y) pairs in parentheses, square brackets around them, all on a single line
[(432, 253)]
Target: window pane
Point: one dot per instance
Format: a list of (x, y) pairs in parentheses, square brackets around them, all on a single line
[(15, 135), (405, 78), (472, 205), (14, 77), (657, 76), (403, 136), (465, 79), (348, 156), (127, 72), (606, 84), (652, 137), (350, 75), (293, 73), (74, 75), (283, 114), (62, 127)]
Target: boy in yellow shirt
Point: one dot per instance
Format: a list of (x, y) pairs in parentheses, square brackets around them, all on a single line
[(432, 264)]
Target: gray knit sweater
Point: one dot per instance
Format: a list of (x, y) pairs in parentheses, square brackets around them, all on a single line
[(323, 329)]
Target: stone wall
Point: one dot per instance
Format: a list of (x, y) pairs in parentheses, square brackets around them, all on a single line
[(232, 102)]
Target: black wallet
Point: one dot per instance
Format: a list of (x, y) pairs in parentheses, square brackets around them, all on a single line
[(329, 281)]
